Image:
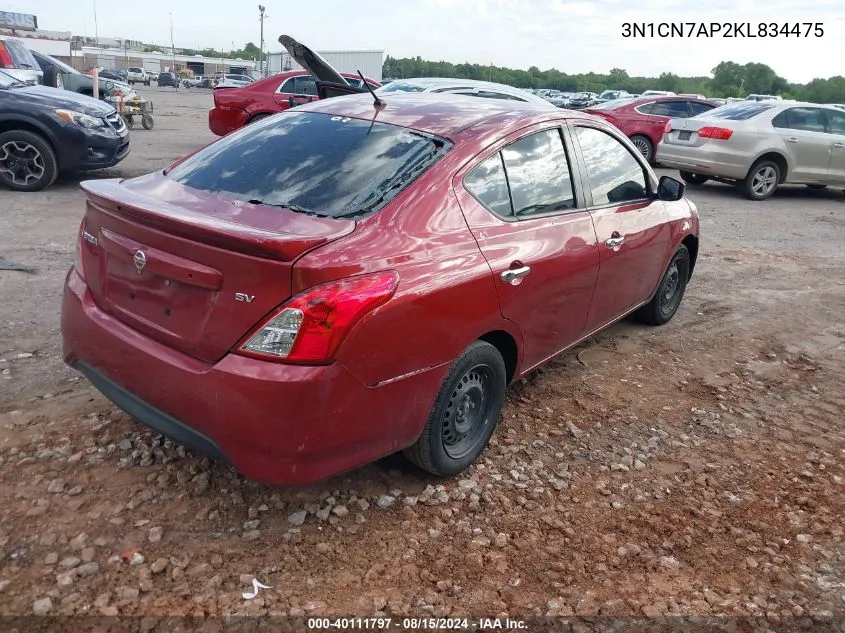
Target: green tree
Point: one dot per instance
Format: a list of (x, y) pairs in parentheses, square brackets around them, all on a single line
[(726, 76)]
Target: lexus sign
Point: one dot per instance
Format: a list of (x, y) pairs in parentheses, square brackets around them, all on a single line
[(18, 21)]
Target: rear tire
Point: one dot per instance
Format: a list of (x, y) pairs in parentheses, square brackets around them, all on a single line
[(762, 180), (694, 179), (465, 412), (27, 161), (670, 292), (644, 146)]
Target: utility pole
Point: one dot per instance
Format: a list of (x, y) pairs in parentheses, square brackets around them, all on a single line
[(96, 29), (173, 53), (261, 9)]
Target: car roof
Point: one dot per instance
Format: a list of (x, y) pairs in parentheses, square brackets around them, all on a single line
[(444, 115), (434, 83)]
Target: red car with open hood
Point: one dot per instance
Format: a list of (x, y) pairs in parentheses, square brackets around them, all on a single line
[(354, 278)]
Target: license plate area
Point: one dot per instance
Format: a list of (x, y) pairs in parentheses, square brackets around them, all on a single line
[(684, 136), (156, 300)]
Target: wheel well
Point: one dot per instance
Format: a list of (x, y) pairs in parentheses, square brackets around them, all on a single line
[(8, 126), (691, 242), (778, 160), (504, 342)]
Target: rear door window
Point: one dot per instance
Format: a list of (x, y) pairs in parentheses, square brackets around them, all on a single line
[(698, 107), (538, 174), (672, 109), (313, 163), (306, 85)]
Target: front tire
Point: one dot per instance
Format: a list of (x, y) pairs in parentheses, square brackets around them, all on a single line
[(644, 146), (670, 292), (27, 161), (694, 179), (465, 412), (762, 180)]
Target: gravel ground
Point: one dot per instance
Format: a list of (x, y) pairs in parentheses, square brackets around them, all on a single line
[(690, 470)]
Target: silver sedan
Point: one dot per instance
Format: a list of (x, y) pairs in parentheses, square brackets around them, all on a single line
[(759, 145)]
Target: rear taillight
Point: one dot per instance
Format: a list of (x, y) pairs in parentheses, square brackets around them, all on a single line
[(716, 133), (77, 256), (311, 326), (668, 127), (5, 57)]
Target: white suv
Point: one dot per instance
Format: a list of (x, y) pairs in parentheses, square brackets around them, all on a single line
[(139, 75)]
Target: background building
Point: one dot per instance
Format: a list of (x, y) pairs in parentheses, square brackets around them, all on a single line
[(368, 62)]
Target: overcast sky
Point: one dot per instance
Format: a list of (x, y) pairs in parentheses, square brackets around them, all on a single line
[(571, 35)]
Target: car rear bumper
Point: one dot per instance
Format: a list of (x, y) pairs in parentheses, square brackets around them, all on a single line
[(222, 120), (703, 160), (276, 423)]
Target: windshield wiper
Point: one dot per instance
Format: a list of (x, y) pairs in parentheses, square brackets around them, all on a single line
[(291, 207)]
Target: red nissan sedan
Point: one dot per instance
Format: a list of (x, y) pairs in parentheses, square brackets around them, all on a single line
[(236, 107), (349, 279), (644, 119)]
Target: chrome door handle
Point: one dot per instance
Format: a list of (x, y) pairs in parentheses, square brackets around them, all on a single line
[(792, 139), (614, 242), (512, 274)]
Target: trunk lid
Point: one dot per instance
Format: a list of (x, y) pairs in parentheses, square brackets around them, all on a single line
[(685, 131), (191, 269)]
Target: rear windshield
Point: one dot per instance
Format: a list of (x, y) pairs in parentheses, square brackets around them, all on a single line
[(397, 86), (313, 163), (21, 57), (738, 111)]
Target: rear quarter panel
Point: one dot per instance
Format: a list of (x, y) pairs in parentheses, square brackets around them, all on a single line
[(446, 296)]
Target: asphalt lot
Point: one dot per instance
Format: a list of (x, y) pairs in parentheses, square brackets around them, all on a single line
[(691, 469)]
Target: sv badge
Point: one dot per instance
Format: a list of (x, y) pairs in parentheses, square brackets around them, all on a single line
[(243, 297)]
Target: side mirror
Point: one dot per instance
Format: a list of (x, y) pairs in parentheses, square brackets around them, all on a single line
[(669, 189)]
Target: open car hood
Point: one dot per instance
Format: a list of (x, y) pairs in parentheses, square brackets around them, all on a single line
[(319, 68)]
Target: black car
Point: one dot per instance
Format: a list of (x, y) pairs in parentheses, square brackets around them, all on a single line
[(167, 79), (46, 131), (114, 73)]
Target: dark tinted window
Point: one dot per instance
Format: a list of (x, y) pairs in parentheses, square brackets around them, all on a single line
[(538, 174), (740, 111), (645, 108), (289, 86), (309, 162), (498, 95), (615, 175), (488, 184), (836, 121), (305, 85), (806, 119), (672, 109), (700, 108)]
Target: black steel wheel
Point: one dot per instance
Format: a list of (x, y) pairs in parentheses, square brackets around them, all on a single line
[(465, 412), (27, 161), (147, 121), (670, 292)]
